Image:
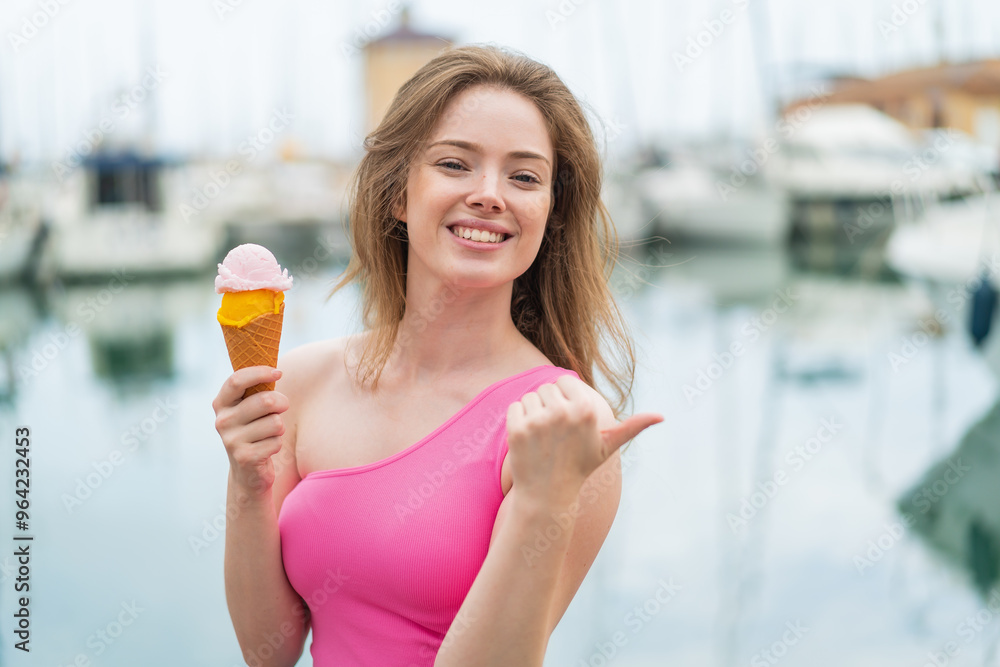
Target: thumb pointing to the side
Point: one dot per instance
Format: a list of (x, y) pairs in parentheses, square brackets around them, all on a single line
[(622, 432)]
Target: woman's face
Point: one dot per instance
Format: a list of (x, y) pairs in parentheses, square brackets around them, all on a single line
[(485, 169)]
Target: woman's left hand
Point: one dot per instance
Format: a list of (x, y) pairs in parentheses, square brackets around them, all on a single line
[(555, 443)]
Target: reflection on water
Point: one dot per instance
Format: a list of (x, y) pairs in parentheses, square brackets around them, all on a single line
[(129, 325), (956, 504), (21, 311), (713, 559), (125, 358)]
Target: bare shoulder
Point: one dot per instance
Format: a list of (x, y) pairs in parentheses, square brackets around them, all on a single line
[(303, 369), (303, 366)]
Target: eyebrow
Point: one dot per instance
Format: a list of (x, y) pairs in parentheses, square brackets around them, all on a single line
[(469, 146)]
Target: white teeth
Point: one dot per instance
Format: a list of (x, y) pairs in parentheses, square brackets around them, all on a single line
[(477, 235)]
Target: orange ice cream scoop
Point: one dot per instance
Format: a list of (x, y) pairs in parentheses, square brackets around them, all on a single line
[(238, 308)]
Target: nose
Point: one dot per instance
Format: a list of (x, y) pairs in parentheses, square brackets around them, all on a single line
[(485, 195)]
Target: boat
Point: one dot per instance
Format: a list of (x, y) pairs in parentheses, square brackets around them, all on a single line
[(829, 180), (948, 252), (22, 231), (852, 173), (121, 213), (693, 196), (294, 203)]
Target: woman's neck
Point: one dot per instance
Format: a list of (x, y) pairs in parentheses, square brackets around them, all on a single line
[(448, 330)]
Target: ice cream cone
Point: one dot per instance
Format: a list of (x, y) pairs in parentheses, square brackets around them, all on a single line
[(255, 344), (253, 307)]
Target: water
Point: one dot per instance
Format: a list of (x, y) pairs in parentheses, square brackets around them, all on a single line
[(816, 571)]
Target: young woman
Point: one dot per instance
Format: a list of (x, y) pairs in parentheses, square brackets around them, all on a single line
[(433, 490)]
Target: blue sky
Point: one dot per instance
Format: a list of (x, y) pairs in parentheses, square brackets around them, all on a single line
[(226, 65)]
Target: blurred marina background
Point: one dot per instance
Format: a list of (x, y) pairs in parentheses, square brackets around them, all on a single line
[(806, 199)]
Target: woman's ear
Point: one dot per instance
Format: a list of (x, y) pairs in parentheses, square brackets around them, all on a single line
[(399, 208)]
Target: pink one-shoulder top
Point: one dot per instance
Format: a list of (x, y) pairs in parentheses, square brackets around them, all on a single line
[(384, 554)]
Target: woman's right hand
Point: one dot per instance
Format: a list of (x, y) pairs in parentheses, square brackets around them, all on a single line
[(250, 428)]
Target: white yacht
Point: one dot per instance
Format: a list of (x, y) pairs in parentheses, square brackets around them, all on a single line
[(691, 196), (123, 212)]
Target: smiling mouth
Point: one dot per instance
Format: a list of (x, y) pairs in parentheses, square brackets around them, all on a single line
[(478, 235)]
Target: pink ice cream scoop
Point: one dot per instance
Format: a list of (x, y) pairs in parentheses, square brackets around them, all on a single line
[(251, 267)]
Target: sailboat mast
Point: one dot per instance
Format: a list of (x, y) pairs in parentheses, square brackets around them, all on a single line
[(147, 60), (939, 33), (759, 43)]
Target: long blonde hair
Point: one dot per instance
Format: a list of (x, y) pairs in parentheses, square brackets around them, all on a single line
[(562, 303)]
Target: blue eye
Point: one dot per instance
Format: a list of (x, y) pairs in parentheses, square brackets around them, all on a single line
[(449, 164), (531, 179)]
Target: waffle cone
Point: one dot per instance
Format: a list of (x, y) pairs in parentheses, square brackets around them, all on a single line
[(255, 344)]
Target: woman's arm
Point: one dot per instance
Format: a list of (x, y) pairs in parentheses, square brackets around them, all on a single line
[(504, 619), (536, 560), (264, 608), (270, 619)]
